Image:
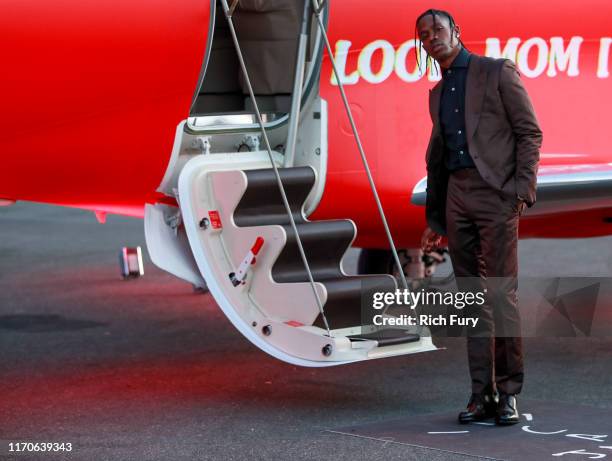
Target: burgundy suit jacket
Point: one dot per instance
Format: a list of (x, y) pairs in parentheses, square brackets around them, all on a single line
[(503, 136)]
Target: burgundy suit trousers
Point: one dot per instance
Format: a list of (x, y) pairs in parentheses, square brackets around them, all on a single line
[(482, 230)]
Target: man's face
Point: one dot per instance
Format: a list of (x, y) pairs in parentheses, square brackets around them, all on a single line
[(437, 37)]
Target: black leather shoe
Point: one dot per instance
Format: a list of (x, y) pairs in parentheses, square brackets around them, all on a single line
[(507, 412), (480, 406)]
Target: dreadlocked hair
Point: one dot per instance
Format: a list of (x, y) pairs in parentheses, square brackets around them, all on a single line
[(433, 14)]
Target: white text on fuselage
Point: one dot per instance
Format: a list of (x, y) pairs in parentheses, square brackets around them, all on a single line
[(534, 57)]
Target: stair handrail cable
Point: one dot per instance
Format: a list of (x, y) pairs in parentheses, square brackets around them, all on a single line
[(318, 7), (228, 14)]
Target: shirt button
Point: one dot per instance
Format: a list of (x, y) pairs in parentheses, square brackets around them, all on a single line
[(459, 132), (453, 89), (461, 152), (456, 110), (450, 71)]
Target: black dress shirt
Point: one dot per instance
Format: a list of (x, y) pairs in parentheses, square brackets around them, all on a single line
[(452, 113)]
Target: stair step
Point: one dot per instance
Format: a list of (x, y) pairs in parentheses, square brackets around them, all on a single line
[(262, 204), (324, 243), (343, 308), (389, 337)]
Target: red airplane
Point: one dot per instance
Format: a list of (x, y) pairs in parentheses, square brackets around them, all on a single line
[(141, 108)]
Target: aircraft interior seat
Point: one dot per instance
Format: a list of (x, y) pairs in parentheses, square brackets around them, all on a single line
[(267, 31)]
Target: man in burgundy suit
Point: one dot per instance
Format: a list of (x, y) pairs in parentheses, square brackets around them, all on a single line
[(482, 163)]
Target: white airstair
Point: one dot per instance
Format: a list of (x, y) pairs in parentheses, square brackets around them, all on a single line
[(242, 227)]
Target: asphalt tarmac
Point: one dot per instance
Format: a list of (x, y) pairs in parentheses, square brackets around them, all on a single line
[(149, 369)]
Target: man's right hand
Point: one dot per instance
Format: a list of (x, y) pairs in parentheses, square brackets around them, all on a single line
[(430, 240)]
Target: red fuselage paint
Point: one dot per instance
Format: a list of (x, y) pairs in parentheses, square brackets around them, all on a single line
[(93, 94)]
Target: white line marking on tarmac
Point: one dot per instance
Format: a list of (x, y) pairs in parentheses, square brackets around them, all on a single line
[(411, 445), (449, 432)]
